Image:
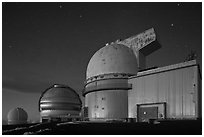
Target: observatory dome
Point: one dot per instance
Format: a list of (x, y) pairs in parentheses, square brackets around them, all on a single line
[(17, 116), (113, 58), (59, 101)]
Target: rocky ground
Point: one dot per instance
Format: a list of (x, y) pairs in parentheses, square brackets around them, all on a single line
[(187, 127)]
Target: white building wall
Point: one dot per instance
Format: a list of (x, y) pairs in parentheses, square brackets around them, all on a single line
[(177, 87), (108, 104)]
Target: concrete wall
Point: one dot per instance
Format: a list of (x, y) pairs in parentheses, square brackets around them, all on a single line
[(107, 97), (177, 87), (108, 104)]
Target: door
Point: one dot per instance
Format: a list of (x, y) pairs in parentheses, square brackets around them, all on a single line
[(146, 113), (85, 112)]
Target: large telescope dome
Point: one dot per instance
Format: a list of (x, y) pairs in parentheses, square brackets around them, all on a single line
[(17, 116), (106, 88), (113, 58)]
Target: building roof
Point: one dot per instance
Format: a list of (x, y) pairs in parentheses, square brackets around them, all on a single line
[(166, 68)]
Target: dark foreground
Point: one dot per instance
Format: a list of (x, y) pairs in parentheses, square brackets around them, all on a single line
[(188, 127)]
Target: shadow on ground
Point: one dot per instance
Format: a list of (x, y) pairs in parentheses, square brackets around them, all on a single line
[(187, 127)]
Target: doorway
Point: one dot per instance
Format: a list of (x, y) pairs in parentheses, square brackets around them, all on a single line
[(147, 113)]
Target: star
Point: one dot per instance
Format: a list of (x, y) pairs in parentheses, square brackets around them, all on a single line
[(10, 46), (60, 6), (172, 25), (178, 4), (38, 30), (80, 16)]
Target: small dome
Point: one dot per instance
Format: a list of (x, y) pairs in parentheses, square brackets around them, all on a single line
[(113, 58), (59, 100), (17, 116)]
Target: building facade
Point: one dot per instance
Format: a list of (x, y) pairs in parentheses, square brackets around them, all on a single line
[(114, 89), (171, 92)]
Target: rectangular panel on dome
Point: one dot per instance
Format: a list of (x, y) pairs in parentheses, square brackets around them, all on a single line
[(142, 41)]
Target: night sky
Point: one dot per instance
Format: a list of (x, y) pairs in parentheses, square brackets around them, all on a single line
[(48, 43)]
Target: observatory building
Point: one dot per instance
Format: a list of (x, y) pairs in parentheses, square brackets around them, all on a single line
[(17, 116), (119, 86), (59, 103), (107, 85)]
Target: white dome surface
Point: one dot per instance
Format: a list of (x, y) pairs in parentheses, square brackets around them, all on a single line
[(114, 58), (17, 116), (59, 101), (60, 94)]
